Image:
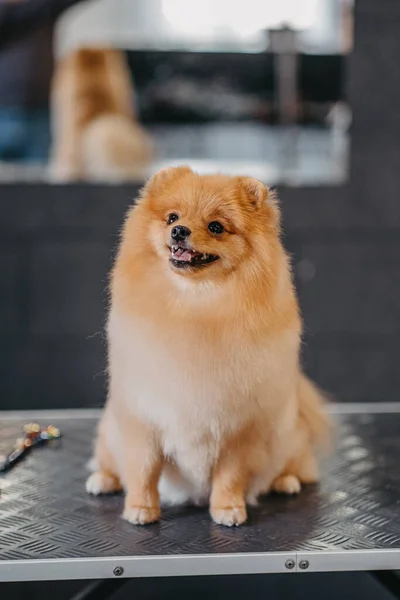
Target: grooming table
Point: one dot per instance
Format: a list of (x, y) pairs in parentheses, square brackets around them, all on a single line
[(50, 529)]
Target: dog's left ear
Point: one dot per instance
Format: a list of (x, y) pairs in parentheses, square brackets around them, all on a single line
[(259, 195), (255, 190)]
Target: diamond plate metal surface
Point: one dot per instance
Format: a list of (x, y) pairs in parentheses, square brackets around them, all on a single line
[(46, 513)]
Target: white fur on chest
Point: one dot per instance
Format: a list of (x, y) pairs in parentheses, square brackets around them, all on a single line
[(193, 393)]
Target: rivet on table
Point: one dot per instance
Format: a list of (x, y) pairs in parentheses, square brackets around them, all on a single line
[(118, 571), (289, 564), (304, 564)]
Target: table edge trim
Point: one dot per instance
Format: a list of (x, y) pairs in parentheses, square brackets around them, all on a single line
[(198, 565)]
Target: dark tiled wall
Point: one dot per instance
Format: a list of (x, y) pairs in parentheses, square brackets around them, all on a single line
[(56, 245)]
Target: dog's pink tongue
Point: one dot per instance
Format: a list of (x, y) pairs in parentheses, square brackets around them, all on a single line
[(184, 256)]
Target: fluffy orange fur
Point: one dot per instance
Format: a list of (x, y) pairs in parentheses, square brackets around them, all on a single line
[(207, 402), (95, 131)]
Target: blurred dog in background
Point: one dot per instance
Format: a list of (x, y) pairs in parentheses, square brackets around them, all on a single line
[(95, 132)]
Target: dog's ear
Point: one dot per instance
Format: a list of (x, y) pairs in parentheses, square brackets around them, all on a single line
[(259, 196), (168, 175), (256, 192)]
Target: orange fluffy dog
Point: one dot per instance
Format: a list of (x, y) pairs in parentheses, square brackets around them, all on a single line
[(207, 401), (95, 132)]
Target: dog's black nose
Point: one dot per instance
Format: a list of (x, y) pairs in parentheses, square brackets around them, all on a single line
[(180, 232)]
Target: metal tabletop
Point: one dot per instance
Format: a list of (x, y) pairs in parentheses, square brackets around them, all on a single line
[(51, 529)]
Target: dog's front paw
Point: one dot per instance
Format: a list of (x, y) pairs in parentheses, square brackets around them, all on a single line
[(287, 484), (100, 482), (141, 515), (232, 516)]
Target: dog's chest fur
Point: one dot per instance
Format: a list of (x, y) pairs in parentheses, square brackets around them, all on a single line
[(193, 393)]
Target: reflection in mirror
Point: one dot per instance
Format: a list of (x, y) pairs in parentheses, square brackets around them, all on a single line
[(253, 86)]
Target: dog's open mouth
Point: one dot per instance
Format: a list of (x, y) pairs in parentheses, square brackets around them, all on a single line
[(183, 256)]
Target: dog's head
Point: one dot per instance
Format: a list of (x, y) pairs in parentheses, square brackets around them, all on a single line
[(203, 227)]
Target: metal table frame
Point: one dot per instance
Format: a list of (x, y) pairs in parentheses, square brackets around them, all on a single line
[(113, 571)]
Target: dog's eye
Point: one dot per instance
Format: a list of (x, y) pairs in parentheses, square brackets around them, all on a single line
[(216, 227), (172, 217)]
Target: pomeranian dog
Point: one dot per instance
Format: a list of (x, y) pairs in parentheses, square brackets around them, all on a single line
[(207, 402), (95, 132)]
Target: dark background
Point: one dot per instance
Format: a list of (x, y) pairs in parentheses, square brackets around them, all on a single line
[(57, 242), (160, 75), (256, 587)]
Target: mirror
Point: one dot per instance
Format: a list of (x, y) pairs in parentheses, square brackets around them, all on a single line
[(253, 87)]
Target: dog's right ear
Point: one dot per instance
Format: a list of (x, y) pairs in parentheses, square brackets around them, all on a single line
[(167, 175)]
